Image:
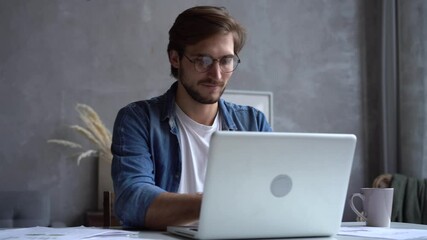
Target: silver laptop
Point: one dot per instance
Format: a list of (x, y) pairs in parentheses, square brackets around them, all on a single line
[(271, 185)]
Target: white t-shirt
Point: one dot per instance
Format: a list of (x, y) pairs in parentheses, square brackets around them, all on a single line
[(194, 141)]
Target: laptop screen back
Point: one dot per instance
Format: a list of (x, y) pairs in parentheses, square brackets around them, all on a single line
[(261, 185)]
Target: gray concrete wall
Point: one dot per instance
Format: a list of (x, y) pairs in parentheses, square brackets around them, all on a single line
[(54, 54)]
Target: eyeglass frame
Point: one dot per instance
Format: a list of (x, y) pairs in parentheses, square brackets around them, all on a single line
[(213, 60)]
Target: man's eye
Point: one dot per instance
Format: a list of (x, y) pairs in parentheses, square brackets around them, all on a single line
[(226, 60), (206, 61)]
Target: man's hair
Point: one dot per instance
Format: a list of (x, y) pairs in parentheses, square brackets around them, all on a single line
[(199, 23)]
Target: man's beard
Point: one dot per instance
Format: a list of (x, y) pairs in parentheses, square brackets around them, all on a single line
[(195, 95)]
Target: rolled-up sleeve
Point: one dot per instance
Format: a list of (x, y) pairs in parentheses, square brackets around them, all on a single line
[(132, 170)]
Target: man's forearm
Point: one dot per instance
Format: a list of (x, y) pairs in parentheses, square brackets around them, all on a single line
[(173, 209)]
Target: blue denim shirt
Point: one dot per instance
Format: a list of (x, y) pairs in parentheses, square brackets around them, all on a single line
[(146, 153)]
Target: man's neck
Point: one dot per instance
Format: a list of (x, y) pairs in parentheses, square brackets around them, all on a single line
[(201, 113)]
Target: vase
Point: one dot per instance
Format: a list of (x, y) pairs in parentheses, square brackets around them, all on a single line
[(105, 182)]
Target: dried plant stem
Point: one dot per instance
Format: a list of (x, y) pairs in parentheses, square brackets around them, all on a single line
[(65, 143), (95, 131), (86, 133), (88, 153), (94, 123)]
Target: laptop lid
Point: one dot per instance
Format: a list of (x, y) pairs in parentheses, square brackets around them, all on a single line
[(267, 185)]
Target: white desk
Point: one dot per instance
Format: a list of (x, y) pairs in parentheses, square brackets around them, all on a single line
[(397, 225), (80, 232), (164, 235)]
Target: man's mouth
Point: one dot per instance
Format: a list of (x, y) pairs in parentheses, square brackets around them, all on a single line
[(211, 84)]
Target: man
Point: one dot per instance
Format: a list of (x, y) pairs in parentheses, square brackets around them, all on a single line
[(160, 145)]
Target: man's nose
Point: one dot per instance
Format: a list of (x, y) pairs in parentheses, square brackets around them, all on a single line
[(215, 70)]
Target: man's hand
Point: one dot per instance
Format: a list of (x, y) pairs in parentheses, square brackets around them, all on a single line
[(169, 209)]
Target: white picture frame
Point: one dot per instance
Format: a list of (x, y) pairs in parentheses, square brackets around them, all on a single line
[(262, 101)]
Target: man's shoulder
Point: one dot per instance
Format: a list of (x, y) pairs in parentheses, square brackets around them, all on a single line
[(233, 107), (141, 108), (243, 117)]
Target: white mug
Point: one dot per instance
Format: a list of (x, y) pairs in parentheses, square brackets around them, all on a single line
[(377, 206)]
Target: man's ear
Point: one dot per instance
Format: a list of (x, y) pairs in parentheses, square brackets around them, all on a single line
[(174, 58)]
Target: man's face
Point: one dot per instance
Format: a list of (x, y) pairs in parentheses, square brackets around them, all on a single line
[(205, 87)]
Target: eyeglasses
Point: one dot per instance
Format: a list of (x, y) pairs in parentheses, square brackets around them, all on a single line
[(227, 64)]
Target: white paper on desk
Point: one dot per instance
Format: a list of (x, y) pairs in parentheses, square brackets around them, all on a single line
[(385, 233), (71, 233), (118, 235)]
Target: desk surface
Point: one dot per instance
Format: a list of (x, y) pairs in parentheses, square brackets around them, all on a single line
[(397, 225), (83, 232), (165, 235)]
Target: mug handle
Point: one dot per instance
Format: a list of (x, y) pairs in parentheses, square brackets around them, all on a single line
[(359, 214)]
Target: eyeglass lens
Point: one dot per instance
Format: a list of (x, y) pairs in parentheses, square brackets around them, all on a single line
[(226, 63)]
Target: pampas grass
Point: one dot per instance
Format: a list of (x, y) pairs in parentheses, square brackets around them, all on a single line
[(94, 130), (65, 143), (88, 153)]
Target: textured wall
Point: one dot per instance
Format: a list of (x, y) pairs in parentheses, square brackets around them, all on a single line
[(54, 54)]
